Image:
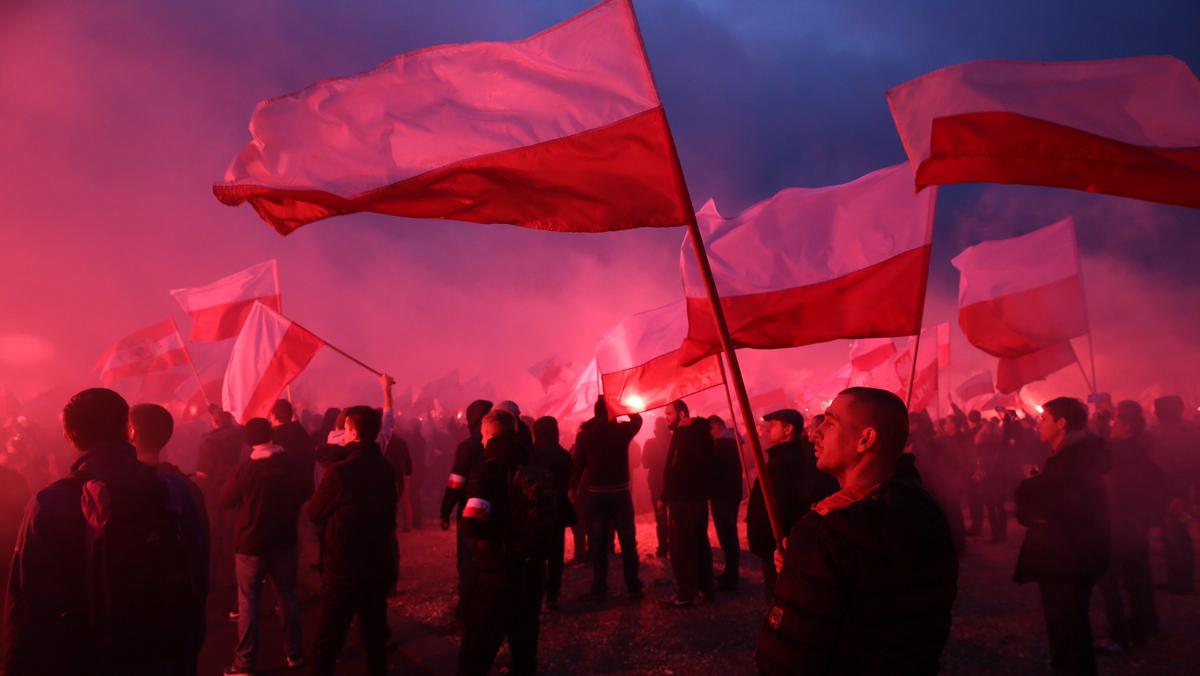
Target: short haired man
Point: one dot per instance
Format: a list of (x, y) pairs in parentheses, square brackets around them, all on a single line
[(798, 485), (356, 507), (549, 454), (267, 490), (136, 615), (869, 576), (150, 428), (290, 434), (1066, 546), (505, 599), (687, 487), (602, 451)]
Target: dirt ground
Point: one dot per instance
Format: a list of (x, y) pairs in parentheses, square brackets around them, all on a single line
[(998, 626)]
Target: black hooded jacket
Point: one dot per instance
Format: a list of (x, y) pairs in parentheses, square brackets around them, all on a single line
[(866, 589), (602, 450), (466, 456), (1065, 509), (798, 484)]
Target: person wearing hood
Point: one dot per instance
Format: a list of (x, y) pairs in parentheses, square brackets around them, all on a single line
[(797, 483), (267, 490), (468, 454), (602, 450), (1176, 444), (524, 433), (101, 581), (505, 599), (868, 577), (549, 454), (1066, 546), (355, 506)]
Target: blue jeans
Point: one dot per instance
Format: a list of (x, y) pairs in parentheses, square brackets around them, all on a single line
[(606, 511), (281, 568)]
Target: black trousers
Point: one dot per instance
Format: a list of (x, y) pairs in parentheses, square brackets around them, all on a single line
[(662, 526), (1065, 607), (554, 567), (339, 606), (1181, 558), (1129, 568), (691, 553), (606, 511), (724, 516), (994, 494), (504, 604), (974, 496)]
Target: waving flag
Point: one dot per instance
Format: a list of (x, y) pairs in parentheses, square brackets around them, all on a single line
[(925, 379), (811, 265), (579, 398), (1021, 295), (1014, 372), (152, 350), (871, 353), (270, 352), (218, 310), (975, 386), (639, 362), (1123, 127), (561, 131), (549, 372)]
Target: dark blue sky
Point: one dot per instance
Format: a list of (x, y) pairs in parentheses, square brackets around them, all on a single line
[(118, 116)]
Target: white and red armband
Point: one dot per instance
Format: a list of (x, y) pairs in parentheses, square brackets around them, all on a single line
[(477, 508)]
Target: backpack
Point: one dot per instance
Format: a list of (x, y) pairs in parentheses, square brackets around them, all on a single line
[(141, 602), (534, 498)]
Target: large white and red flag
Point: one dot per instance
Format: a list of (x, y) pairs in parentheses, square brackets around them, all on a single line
[(268, 354), (1024, 294), (924, 379), (975, 386), (155, 349), (550, 372), (1123, 127), (639, 362), (812, 265), (869, 354), (1014, 372), (561, 131), (219, 309), (579, 398)]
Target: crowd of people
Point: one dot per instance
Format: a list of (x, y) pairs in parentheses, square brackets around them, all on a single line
[(873, 506)]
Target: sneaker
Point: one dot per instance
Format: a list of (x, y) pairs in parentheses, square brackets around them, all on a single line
[(706, 595), (233, 616), (1108, 647), (675, 602), (235, 671), (295, 663)]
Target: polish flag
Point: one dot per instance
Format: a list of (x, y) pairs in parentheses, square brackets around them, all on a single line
[(639, 362), (871, 353), (549, 372), (943, 345), (269, 353), (925, 380), (561, 131), (812, 265), (975, 386), (1123, 127), (1020, 295), (1012, 373), (154, 349), (580, 397), (218, 310)]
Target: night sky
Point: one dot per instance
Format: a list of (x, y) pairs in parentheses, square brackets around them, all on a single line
[(117, 117)]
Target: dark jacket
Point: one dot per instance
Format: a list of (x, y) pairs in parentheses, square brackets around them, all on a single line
[(399, 458), (485, 523), (555, 459), (356, 506), (292, 437), (46, 624), (654, 459), (727, 470), (468, 454), (602, 450), (798, 484), (218, 455), (866, 589), (267, 494), (689, 471), (1137, 489), (14, 494), (1065, 509)]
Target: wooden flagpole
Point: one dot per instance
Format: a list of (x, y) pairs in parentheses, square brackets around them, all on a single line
[(337, 349), (1093, 385), (279, 294)]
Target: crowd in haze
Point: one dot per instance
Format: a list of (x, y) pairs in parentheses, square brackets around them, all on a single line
[(115, 549)]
